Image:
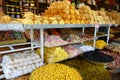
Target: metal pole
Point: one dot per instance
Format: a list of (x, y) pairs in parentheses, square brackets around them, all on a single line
[(31, 36), (42, 43), (108, 34), (95, 32), (83, 31)]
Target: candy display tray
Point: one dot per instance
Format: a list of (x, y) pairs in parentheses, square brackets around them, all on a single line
[(13, 41)]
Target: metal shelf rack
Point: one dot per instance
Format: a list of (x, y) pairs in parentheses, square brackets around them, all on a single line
[(21, 27)]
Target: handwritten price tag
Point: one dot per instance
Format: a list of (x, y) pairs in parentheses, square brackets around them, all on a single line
[(110, 24), (97, 25), (116, 25)]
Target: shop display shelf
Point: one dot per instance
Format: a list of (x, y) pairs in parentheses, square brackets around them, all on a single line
[(116, 43), (49, 26), (89, 39), (102, 35), (115, 32), (12, 49), (22, 27), (3, 76), (18, 27)]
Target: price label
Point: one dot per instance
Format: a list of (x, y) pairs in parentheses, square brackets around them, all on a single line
[(110, 24), (116, 25), (97, 25)]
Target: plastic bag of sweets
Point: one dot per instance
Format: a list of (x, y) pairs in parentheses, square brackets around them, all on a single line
[(72, 51)]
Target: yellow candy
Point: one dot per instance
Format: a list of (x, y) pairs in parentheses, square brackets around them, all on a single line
[(54, 54), (55, 72)]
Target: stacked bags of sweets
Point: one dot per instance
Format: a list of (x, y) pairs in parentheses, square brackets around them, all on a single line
[(31, 18), (68, 12), (116, 56), (20, 63), (54, 54), (72, 51), (85, 15), (70, 35), (113, 50), (5, 19), (100, 44), (84, 48), (54, 40), (114, 16), (11, 37)]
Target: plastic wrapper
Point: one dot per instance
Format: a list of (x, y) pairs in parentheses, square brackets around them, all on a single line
[(20, 63), (85, 37), (86, 48), (72, 38), (76, 38), (100, 44), (116, 63), (72, 51), (114, 48), (54, 54), (54, 40), (69, 31), (36, 34)]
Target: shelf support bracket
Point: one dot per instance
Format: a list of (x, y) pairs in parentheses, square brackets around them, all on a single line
[(42, 44), (31, 36), (108, 34), (95, 32)]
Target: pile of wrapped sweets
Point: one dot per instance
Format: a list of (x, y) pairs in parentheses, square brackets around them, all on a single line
[(20, 63)]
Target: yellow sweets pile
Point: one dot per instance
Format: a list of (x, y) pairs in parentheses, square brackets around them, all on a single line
[(115, 16), (88, 16), (30, 18), (63, 12), (100, 44), (85, 15), (55, 72), (4, 18), (102, 18), (71, 15), (55, 54)]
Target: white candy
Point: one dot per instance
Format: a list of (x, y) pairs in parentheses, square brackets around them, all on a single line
[(18, 64), (86, 48)]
